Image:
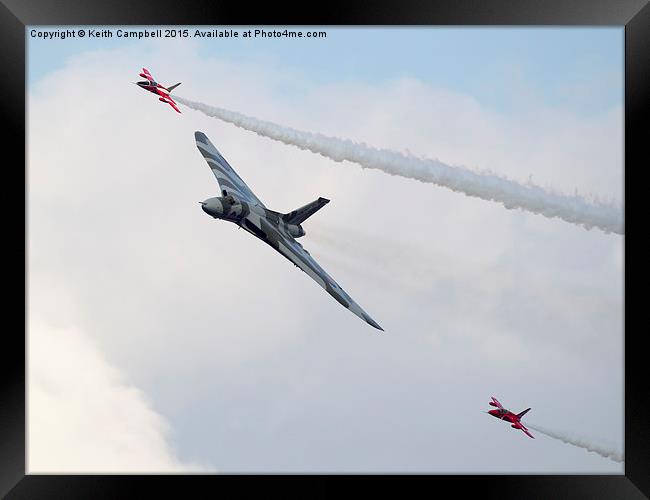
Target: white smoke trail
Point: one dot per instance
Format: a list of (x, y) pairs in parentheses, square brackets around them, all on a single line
[(581, 443), (484, 185)]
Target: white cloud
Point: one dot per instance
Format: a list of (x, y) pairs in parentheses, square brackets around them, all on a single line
[(83, 414)]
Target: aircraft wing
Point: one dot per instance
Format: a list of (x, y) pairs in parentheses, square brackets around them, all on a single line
[(526, 432), (226, 176), (172, 104), (496, 402), (147, 75), (295, 252)]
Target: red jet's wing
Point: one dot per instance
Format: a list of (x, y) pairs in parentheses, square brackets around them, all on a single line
[(145, 74), (519, 425), (496, 402), (171, 103), (526, 432)]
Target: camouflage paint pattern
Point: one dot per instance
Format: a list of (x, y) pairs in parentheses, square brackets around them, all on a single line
[(238, 204)]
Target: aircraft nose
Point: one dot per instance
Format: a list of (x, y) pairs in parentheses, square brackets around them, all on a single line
[(212, 207)]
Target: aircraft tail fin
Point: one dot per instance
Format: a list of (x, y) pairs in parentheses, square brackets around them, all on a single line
[(523, 412), (172, 87), (300, 214)]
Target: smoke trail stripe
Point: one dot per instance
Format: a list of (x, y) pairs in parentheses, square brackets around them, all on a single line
[(580, 443), (488, 186)]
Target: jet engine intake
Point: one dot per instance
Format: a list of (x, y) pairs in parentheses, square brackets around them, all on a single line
[(295, 230)]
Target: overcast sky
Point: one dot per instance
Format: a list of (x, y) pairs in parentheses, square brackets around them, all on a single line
[(162, 340)]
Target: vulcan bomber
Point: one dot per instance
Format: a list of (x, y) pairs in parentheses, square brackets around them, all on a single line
[(239, 205)]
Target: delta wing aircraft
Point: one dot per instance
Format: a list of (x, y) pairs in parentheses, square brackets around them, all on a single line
[(238, 204)]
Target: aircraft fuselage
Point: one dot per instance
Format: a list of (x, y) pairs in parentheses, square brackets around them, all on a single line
[(507, 415), (262, 223)]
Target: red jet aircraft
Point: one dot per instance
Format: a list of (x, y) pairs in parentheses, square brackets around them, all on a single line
[(508, 416), (151, 85)]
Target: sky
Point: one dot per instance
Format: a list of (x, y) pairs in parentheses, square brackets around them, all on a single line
[(161, 340)]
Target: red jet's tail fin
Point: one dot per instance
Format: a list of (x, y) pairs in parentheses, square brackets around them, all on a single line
[(172, 87), (523, 412)]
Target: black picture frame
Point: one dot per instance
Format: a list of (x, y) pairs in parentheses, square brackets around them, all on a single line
[(16, 14)]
